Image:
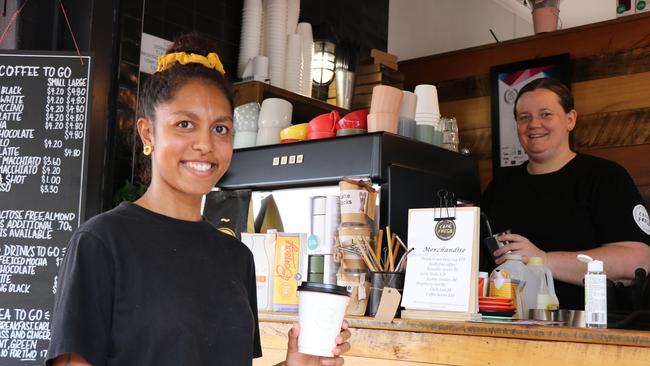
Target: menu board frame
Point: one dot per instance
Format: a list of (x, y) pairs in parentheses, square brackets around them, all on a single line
[(55, 137)]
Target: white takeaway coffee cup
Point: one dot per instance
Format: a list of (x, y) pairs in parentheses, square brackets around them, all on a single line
[(321, 308)]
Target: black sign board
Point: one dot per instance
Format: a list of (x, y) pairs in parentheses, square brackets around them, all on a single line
[(44, 114)]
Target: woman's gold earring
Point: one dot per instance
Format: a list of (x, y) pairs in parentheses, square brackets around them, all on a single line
[(147, 150)]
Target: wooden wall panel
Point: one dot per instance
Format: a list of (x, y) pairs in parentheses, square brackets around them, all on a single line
[(610, 72), (612, 94), (616, 35)]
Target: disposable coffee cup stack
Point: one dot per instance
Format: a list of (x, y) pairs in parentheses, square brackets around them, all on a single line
[(407, 114), (384, 109), (427, 114)]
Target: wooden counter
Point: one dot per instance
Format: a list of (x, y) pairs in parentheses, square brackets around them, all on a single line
[(416, 342)]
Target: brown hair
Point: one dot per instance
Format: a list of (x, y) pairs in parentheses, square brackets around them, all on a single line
[(550, 84), (162, 85)]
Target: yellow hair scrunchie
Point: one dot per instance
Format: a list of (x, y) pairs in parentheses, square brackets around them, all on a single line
[(211, 61)]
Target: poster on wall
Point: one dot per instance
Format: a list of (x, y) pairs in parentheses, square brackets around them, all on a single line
[(505, 82), (150, 48)]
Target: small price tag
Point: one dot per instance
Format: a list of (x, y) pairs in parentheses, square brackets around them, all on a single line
[(390, 299)]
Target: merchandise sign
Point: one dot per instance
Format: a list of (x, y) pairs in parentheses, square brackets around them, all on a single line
[(442, 270)]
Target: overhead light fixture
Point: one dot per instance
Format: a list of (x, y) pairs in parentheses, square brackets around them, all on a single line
[(323, 62)]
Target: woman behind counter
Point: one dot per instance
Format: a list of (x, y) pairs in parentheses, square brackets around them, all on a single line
[(561, 203), (151, 282)]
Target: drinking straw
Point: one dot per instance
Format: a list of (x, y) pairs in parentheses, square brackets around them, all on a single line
[(390, 238), (395, 249), (378, 242), (365, 258), (401, 242), (402, 261), (371, 254)]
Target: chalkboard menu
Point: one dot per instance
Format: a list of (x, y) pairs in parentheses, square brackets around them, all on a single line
[(44, 109)]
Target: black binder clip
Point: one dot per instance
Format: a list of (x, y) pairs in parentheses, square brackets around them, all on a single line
[(446, 206)]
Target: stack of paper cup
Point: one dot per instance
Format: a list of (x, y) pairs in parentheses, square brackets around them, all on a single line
[(407, 114), (275, 39), (293, 63), (307, 50), (251, 30), (293, 13), (245, 125), (275, 115), (427, 113), (384, 109)]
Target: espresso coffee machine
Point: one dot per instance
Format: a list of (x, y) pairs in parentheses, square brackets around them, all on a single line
[(407, 173)]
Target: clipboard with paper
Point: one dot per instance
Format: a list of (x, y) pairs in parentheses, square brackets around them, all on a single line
[(442, 271)]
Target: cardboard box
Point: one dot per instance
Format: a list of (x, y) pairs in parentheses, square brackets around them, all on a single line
[(288, 271), (379, 77), (263, 248), (384, 58)]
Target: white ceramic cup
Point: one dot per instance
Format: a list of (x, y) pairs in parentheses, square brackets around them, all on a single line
[(275, 112), (268, 136), (245, 117), (427, 101), (321, 308), (244, 139)]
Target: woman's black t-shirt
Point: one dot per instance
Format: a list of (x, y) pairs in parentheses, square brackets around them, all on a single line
[(587, 203), (140, 288)]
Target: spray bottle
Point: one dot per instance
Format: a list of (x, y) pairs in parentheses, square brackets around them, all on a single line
[(595, 293)]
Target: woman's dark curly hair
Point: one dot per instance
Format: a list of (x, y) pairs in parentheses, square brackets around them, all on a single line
[(162, 85)]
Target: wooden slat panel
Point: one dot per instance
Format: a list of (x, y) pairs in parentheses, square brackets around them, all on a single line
[(272, 357), (600, 66), (604, 65), (622, 93), (511, 330), (452, 349), (612, 129), (611, 36), (612, 94), (635, 159), (463, 88), (470, 113)]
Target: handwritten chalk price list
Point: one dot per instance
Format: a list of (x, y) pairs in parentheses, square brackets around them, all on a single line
[(44, 109)]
